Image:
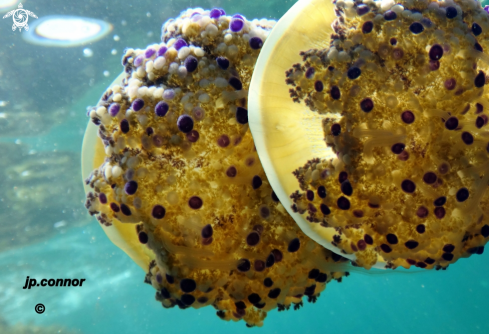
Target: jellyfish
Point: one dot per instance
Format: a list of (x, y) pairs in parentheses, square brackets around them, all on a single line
[(174, 179), (66, 31), (375, 115)]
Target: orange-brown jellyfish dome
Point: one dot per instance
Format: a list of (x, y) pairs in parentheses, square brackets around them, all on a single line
[(370, 119), (175, 181)]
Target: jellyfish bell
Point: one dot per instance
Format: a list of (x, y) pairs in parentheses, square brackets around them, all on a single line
[(66, 31), (93, 156), (372, 118), (172, 176)]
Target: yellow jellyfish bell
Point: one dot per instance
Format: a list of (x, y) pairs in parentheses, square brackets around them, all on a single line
[(93, 156), (370, 121), (173, 177)]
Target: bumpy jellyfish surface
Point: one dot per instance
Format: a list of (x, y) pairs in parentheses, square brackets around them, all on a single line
[(175, 180), (370, 119)]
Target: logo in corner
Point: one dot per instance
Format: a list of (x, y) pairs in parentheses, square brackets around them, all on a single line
[(20, 17)]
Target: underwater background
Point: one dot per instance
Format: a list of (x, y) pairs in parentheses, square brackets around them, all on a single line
[(45, 231)]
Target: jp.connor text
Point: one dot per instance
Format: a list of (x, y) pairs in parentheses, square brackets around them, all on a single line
[(29, 283)]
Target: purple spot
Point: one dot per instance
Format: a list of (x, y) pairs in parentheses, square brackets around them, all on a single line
[(102, 198), (362, 245), (236, 25), (450, 84), (188, 285), (137, 104), (408, 186), (390, 15), (398, 148), (420, 228), (185, 123), (440, 201), (451, 123), (362, 10), (242, 115), (256, 43), (325, 209), (193, 136), (367, 27), (429, 178), (335, 93), (422, 212), (143, 237), (161, 108), (114, 207), (467, 138), (476, 29), (434, 65), (259, 265), (264, 212), (367, 105), (346, 188), (149, 53), (223, 141), (158, 212), (180, 43), (294, 245), (278, 255), (451, 12), (235, 83), (343, 203), (407, 117), (125, 210), (318, 86), (191, 63), (215, 13), (244, 265), (162, 51), (368, 239), (310, 73), (480, 80), (158, 141), (439, 212), (195, 202), (336, 129), (114, 109), (353, 73), (436, 52), (385, 248), (322, 191), (131, 187), (222, 62), (207, 231), (462, 194), (392, 239), (138, 61), (253, 239), (231, 171), (416, 28), (256, 182)]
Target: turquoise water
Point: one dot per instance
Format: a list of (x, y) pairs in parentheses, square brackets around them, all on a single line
[(115, 299), (47, 90)]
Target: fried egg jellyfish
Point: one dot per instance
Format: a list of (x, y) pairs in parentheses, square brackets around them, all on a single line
[(370, 121), (172, 175)]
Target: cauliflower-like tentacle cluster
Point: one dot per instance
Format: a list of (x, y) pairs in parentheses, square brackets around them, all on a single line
[(181, 165), (402, 92)]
